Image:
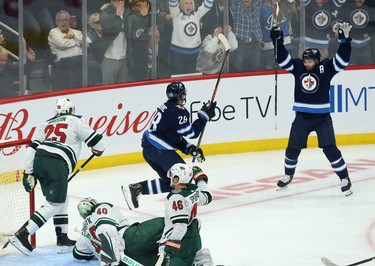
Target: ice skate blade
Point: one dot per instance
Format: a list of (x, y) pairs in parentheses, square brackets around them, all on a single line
[(282, 188), (348, 193), (18, 245)]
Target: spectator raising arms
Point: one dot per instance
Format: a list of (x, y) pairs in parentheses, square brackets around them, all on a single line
[(186, 38)]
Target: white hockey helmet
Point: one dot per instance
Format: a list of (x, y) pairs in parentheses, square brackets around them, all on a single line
[(64, 106), (183, 171), (85, 206)]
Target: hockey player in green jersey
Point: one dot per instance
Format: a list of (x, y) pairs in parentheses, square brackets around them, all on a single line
[(181, 239), (50, 158)]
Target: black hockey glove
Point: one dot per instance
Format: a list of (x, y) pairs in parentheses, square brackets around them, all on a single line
[(207, 112), (29, 182), (196, 152), (343, 32), (172, 248), (276, 34)]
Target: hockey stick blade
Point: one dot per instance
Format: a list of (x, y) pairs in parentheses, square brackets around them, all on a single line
[(127, 200), (327, 262), (224, 41)]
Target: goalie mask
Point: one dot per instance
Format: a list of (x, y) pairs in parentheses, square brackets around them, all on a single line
[(182, 171), (64, 106), (176, 92), (86, 206)]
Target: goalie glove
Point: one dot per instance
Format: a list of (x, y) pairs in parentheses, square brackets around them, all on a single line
[(29, 182), (343, 33)]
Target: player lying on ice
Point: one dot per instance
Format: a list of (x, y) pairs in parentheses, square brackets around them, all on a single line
[(109, 237)]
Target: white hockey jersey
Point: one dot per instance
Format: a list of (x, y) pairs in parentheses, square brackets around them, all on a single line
[(106, 220), (181, 209), (63, 135)]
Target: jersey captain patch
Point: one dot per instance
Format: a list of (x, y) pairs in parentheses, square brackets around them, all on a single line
[(309, 83)]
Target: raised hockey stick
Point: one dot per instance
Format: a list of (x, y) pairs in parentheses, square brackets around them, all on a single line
[(327, 262), (225, 42), (81, 167), (124, 258), (276, 65)]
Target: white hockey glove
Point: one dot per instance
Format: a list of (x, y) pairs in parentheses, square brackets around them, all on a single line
[(29, 182), (343, 34)]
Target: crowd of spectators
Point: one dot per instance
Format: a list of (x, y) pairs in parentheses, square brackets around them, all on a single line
[(124, 36)]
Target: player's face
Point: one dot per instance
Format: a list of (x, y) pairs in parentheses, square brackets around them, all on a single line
[(309, 63)]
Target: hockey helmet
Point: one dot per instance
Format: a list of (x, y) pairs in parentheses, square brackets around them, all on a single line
[(64, 106), (175, 90), (311, 53), (86, 206), (182, 171)]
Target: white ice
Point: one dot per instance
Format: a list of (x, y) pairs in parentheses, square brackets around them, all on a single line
[(249, 223)]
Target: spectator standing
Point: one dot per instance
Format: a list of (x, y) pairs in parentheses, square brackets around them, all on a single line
[(94, 34), (111, 49), (186, 37), (215, 17), (9, 74), (211, 56), (246, 27), (268, 19), (66, 47), (359, 15), (138, 31)]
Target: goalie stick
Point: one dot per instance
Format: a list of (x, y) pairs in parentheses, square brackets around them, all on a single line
[(124, 258), (327, 262), (225, 42)]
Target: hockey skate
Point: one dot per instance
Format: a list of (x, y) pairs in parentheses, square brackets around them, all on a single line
[(21, 241), (346, 184), (284, 181), (132, 200), (64, 244)]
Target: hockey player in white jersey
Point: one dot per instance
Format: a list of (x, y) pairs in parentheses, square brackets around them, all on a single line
[(181, 241), (108, 236), (50, 159)]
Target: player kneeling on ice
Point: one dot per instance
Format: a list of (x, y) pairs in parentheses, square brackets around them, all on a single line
[(181, 242)]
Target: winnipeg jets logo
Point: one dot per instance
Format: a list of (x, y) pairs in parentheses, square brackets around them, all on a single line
[(321, 19), (359, 18), (217, 56), (190, 29), (309, 83)]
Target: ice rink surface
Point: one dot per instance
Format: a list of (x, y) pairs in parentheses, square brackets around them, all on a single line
[(249, 223)]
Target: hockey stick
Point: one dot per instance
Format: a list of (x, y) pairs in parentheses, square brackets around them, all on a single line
[(276, 65), (81, 167), (327, 262), (160, 260), (124, 258), (225, 42)]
